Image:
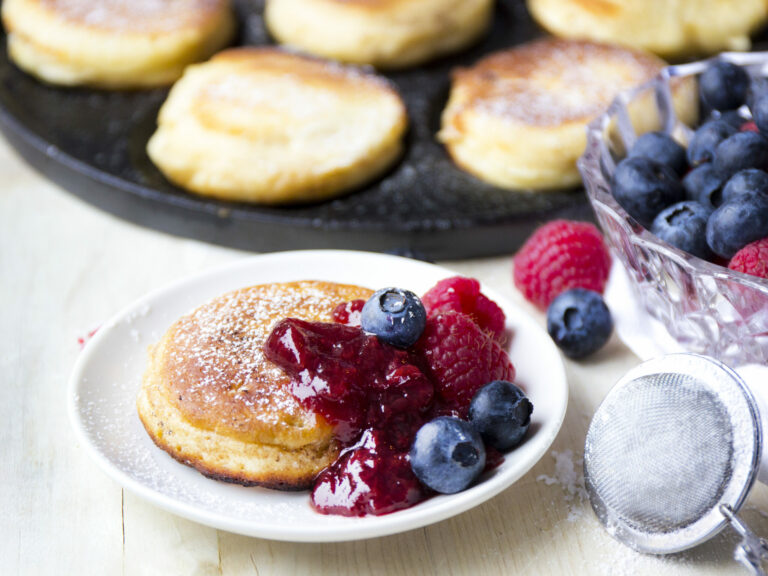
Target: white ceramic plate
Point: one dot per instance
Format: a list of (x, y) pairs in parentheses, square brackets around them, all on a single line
[(108, 373)]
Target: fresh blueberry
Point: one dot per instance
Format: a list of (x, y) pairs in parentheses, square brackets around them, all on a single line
[(704, 185), (737, 223), (662, 148), (750, 181), (644, 188), (704, 141), (684, 225), (759, 111), (758, 90), (395, 316), (579, 322), (723, 86), (741, 151), (501, 412), (732, 117), (447, 454)]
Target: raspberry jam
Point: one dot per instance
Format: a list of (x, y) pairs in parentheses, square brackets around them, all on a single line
[(375, 396)]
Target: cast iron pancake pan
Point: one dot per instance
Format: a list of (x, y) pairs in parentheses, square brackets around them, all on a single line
[(92, 142)]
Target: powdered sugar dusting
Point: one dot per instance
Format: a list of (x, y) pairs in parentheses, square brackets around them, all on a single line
[(135, 15), (215, 363), (569, 475), (551, 82)]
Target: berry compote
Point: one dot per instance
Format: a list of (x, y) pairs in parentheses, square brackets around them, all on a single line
[(375, 396)]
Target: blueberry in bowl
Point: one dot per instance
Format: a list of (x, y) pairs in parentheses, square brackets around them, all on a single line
[(676, 267)]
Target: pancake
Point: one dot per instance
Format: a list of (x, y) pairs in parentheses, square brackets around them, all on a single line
[(517, 119), (266, 126), (114, 43), (213, 401), (670, 29), (383, 33)]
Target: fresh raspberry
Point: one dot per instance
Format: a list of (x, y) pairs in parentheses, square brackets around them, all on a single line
[(460, 294), (461, 358), (749, 127), (752, 259), (559, 256)]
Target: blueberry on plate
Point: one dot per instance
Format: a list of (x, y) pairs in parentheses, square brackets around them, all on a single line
[(395, 316), (723, 86), (704, 141), (644, 188), (749, 181), (737, 223), (741, 151), (684, 225), (662, 148), (704, 185), (447, 454), (501, 412), (579, 322)]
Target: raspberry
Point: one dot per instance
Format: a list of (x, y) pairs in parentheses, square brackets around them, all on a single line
[(559, 256), (461, 358), (749, 127), (752, 259), (460, 294)]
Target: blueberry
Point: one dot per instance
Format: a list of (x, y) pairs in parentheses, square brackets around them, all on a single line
[(759, 111), (704, 185), (684, 225), (724, 86), (644, 188), (737, 223), (662, 148), (750, 181), (501, 412), (702, 146), (741, 151), (732, 117), (447, 454), (395, 316), (579, 322)]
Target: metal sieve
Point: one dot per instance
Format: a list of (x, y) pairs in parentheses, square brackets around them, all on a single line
[(671, 455)]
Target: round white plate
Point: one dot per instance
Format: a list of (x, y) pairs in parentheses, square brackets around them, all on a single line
[(107, 376)]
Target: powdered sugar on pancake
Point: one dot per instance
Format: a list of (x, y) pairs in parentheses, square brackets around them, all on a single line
[(135, 15), (215, 365)]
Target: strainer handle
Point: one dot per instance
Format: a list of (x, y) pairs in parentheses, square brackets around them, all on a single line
[(752, 550)]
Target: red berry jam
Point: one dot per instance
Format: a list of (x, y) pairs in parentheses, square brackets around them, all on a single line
[(375, 396)]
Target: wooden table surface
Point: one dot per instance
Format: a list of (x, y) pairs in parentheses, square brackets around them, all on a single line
[(65, 267)]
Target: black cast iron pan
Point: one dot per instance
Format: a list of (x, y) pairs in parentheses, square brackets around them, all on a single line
[(92, 143)]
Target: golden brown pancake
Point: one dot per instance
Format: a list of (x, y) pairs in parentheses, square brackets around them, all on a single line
[(266, 126), (114, 43), (383, 33), (213, 401), (517, 118)]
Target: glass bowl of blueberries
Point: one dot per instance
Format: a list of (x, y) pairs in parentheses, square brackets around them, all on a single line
[(685, 207)]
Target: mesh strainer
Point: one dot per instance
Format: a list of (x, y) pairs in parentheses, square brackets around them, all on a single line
[(672, 453)]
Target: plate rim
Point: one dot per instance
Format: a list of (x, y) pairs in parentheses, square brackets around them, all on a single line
[(349, 529)]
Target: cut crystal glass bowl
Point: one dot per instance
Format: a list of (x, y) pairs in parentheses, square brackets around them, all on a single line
[(706, 307)]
